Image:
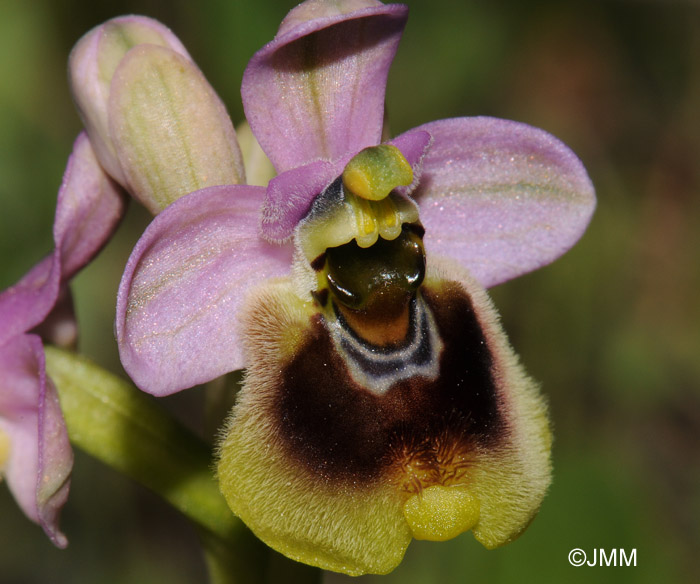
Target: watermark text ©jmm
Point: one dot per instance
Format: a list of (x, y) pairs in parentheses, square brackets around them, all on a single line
[(601, 557)]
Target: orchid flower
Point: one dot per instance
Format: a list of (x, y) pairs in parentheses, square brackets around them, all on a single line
[(35, 456), (382, 400)]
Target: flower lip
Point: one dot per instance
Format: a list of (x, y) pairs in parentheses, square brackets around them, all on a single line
[(353, 416), (321, 466)]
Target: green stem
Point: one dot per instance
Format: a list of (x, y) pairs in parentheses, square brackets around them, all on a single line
[(113, 421)]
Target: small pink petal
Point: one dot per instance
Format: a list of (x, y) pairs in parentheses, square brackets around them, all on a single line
[(290, 194)]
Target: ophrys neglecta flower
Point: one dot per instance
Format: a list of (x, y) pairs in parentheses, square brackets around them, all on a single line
[(382, 400)]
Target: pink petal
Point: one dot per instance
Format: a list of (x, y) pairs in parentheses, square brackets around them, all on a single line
[(501, 197), (289, 197), (40, 458), (317, 90), (179, 299)]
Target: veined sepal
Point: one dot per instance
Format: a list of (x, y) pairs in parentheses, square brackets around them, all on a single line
[(336, 475)]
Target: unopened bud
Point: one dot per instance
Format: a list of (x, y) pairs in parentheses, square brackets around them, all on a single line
[(155, 123)]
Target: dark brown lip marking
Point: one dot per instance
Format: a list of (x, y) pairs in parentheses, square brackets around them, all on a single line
[(347, 435), (321, 296), (318, 263)]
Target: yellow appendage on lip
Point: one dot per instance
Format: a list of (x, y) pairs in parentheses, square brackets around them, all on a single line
[(440, 513)]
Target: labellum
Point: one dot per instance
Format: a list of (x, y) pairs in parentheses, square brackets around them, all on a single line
[(385, 404)]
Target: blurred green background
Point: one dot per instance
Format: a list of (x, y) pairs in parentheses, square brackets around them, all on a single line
[(612, 330)]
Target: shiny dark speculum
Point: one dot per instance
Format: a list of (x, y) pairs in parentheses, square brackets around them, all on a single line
[(356, 276), (340, 431)]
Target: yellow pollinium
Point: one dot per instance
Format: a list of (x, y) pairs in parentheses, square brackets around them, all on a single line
[(4, 449), (440, 513), (374, 219), (375, 171)]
